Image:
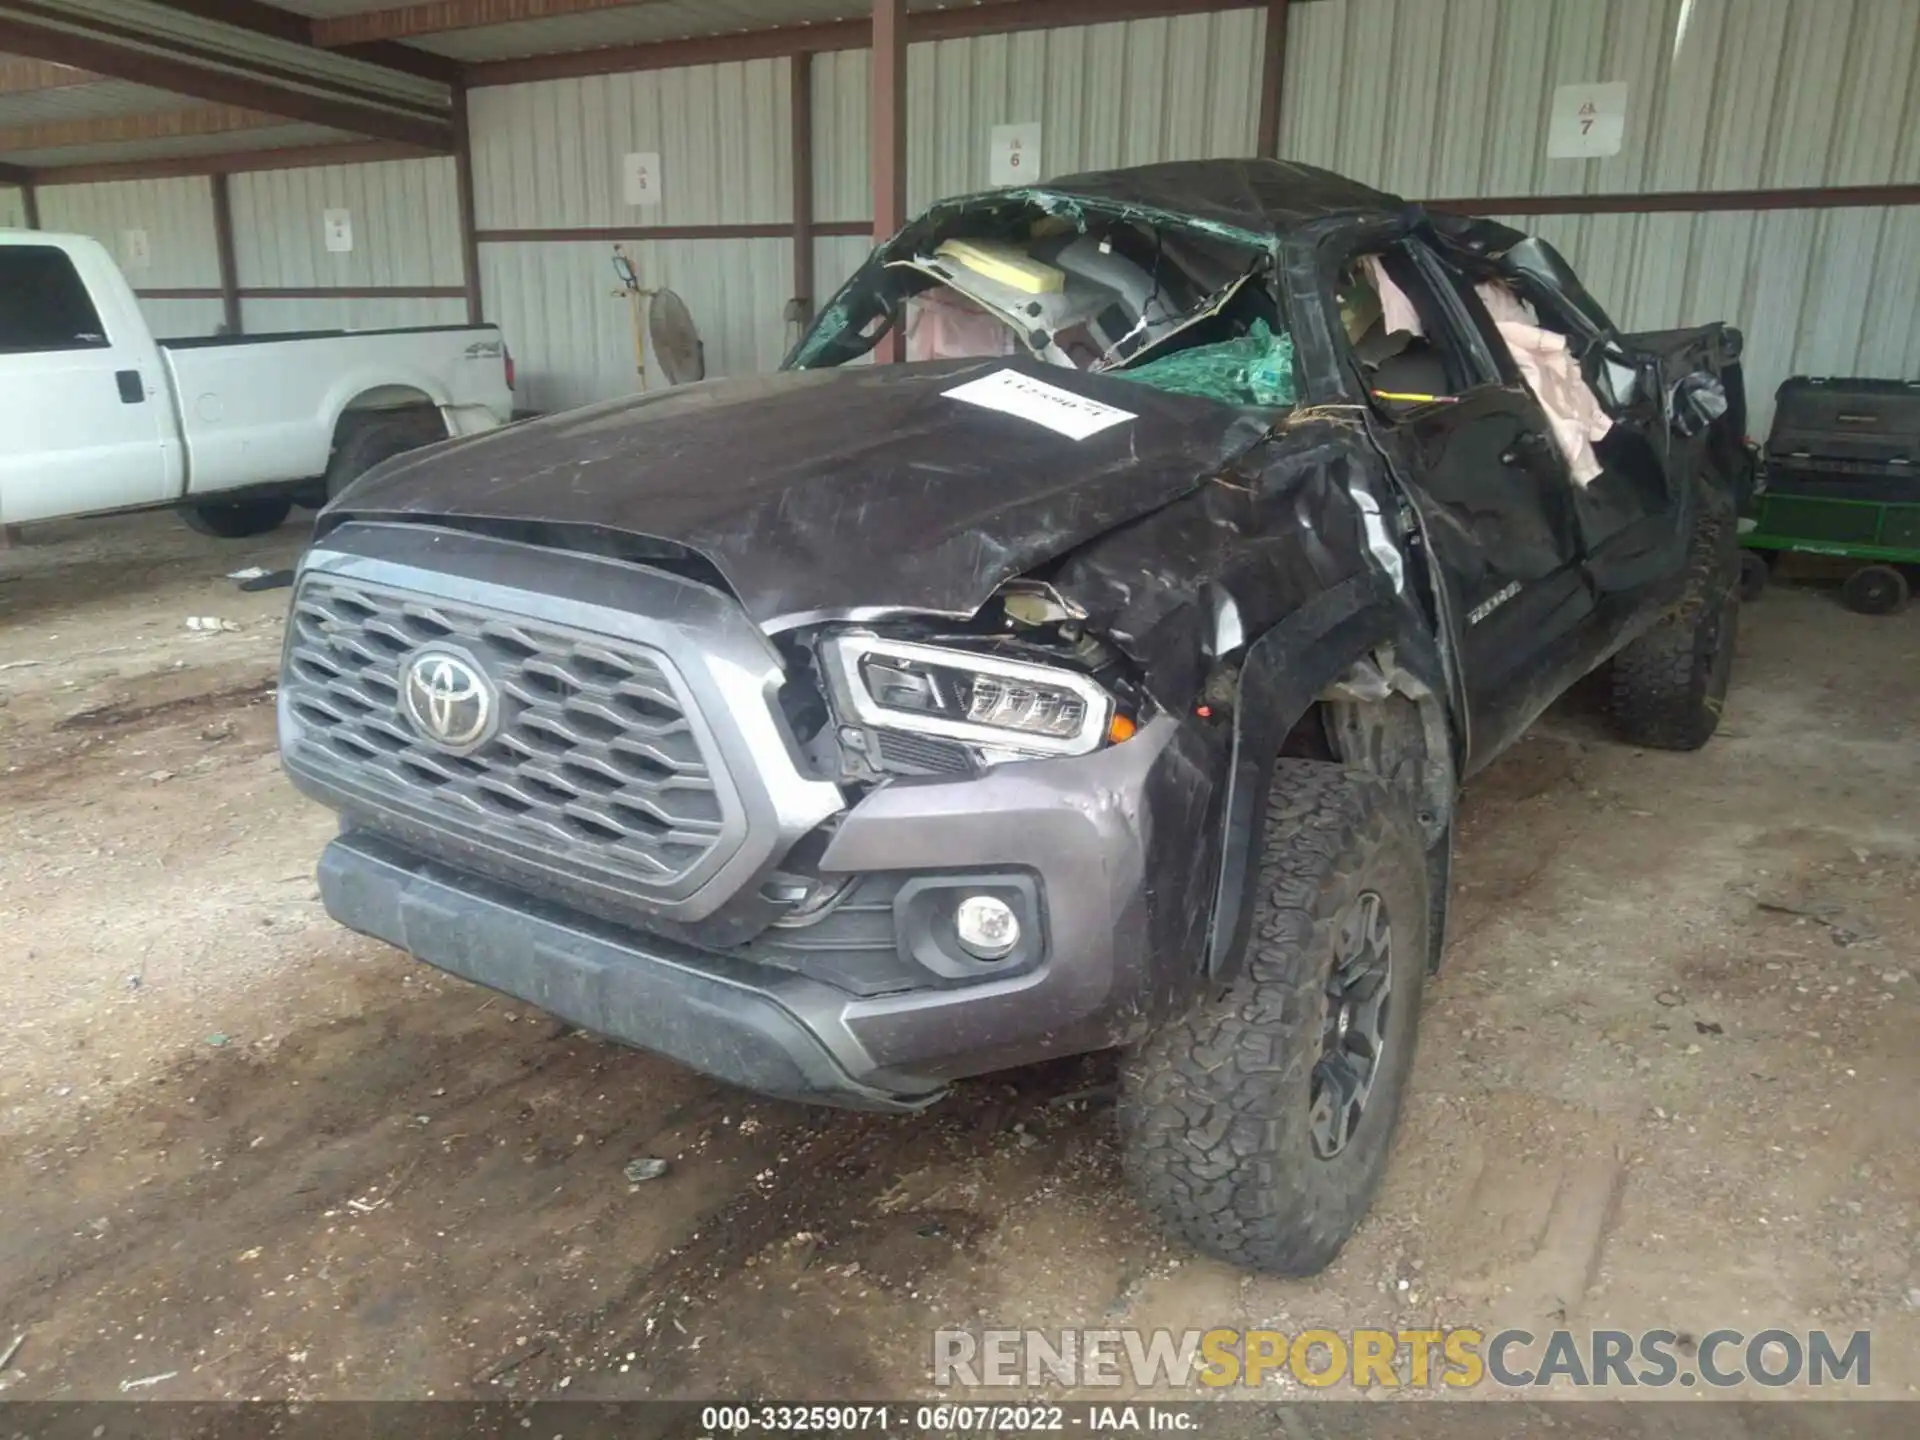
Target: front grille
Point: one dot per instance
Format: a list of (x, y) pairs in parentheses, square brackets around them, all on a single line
[(597, 769)]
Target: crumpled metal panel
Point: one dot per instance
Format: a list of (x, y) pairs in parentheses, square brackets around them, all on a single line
[(824, 492)]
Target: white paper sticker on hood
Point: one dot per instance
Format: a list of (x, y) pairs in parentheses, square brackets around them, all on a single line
[(1061, 411)]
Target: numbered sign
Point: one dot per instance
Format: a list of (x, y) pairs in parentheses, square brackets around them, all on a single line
[(336, 226), (641, 176), (1013, 154), (1588, 121)]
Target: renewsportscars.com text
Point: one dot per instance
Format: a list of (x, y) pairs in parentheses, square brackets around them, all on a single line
[(1460, 1358)]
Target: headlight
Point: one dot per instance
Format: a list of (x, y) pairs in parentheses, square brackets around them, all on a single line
[(977, 699)]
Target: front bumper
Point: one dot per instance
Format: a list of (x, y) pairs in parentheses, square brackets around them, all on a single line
[(1117, 843), (652, 993)]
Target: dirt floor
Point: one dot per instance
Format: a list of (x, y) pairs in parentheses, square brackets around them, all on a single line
[(1666, 1078)]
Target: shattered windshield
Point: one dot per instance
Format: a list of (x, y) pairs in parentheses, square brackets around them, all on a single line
[(1176, 306)]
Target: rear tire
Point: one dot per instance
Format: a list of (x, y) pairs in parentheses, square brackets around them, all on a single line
[(1231, 1134), (1670, 684), (1755, 570), (371, 441), (1875, 590), (238, 519)]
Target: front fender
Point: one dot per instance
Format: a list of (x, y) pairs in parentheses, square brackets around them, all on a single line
[(1282, 674)]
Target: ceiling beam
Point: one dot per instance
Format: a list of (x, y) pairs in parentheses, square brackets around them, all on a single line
[(435, 17), (235, 163), (20, 77), (221, 86), (673, 54), (991, 17), (375, 91), (295, 29), (124, 129)]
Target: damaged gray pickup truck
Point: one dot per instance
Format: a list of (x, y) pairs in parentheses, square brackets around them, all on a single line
[(1105, 675)]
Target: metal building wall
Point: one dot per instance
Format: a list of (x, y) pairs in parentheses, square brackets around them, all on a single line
[(177, 218), (1186, 87), (549, 156), (1450, 99), (1432, 98), (406, 234), (1816, 292), (13, 209)]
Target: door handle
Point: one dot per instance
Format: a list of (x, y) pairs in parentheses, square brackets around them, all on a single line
[(132, 390)]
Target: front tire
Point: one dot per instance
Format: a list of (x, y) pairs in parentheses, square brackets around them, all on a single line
[(1257, 1127), (238, 519), (1669, 685)]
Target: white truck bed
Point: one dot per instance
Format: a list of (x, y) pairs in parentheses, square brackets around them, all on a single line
[(96, 415)]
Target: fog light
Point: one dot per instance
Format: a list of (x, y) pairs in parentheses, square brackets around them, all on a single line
[(987, 928)]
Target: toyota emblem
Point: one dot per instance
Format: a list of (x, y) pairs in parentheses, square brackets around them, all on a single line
[(448, 699)]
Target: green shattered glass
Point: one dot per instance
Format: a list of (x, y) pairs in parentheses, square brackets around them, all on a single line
[(1255, 369)]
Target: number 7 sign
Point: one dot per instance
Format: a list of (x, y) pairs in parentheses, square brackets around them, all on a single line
[(1587, 121)]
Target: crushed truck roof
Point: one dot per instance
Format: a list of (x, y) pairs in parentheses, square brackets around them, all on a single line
[(1259, 197)]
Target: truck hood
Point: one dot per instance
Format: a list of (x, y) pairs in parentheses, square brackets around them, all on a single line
[(830, 493)]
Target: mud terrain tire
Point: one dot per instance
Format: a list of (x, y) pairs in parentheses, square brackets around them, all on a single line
[(1221, 1137), (1668, 685)]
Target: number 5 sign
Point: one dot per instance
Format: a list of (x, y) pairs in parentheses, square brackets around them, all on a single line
[(1013, 154), (1588, 120)]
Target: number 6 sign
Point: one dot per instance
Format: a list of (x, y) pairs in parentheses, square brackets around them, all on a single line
[(1013, 154)]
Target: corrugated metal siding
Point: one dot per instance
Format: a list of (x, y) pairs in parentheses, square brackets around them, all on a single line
[(572, 337), (406, 225), (835, 258), (182, 319), (1427, 97), (1451, 98), (1105, 95), (550, 155), (269, 317), (842, 182), (13, 209), (177, 216), (1816, 292)]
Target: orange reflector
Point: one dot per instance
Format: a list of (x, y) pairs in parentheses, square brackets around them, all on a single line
[(1120, 729)]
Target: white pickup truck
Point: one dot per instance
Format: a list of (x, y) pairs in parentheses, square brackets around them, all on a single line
[(97, 415)]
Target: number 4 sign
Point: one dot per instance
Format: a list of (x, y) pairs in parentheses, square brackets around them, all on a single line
[(1013, 154), (1588, 121)]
